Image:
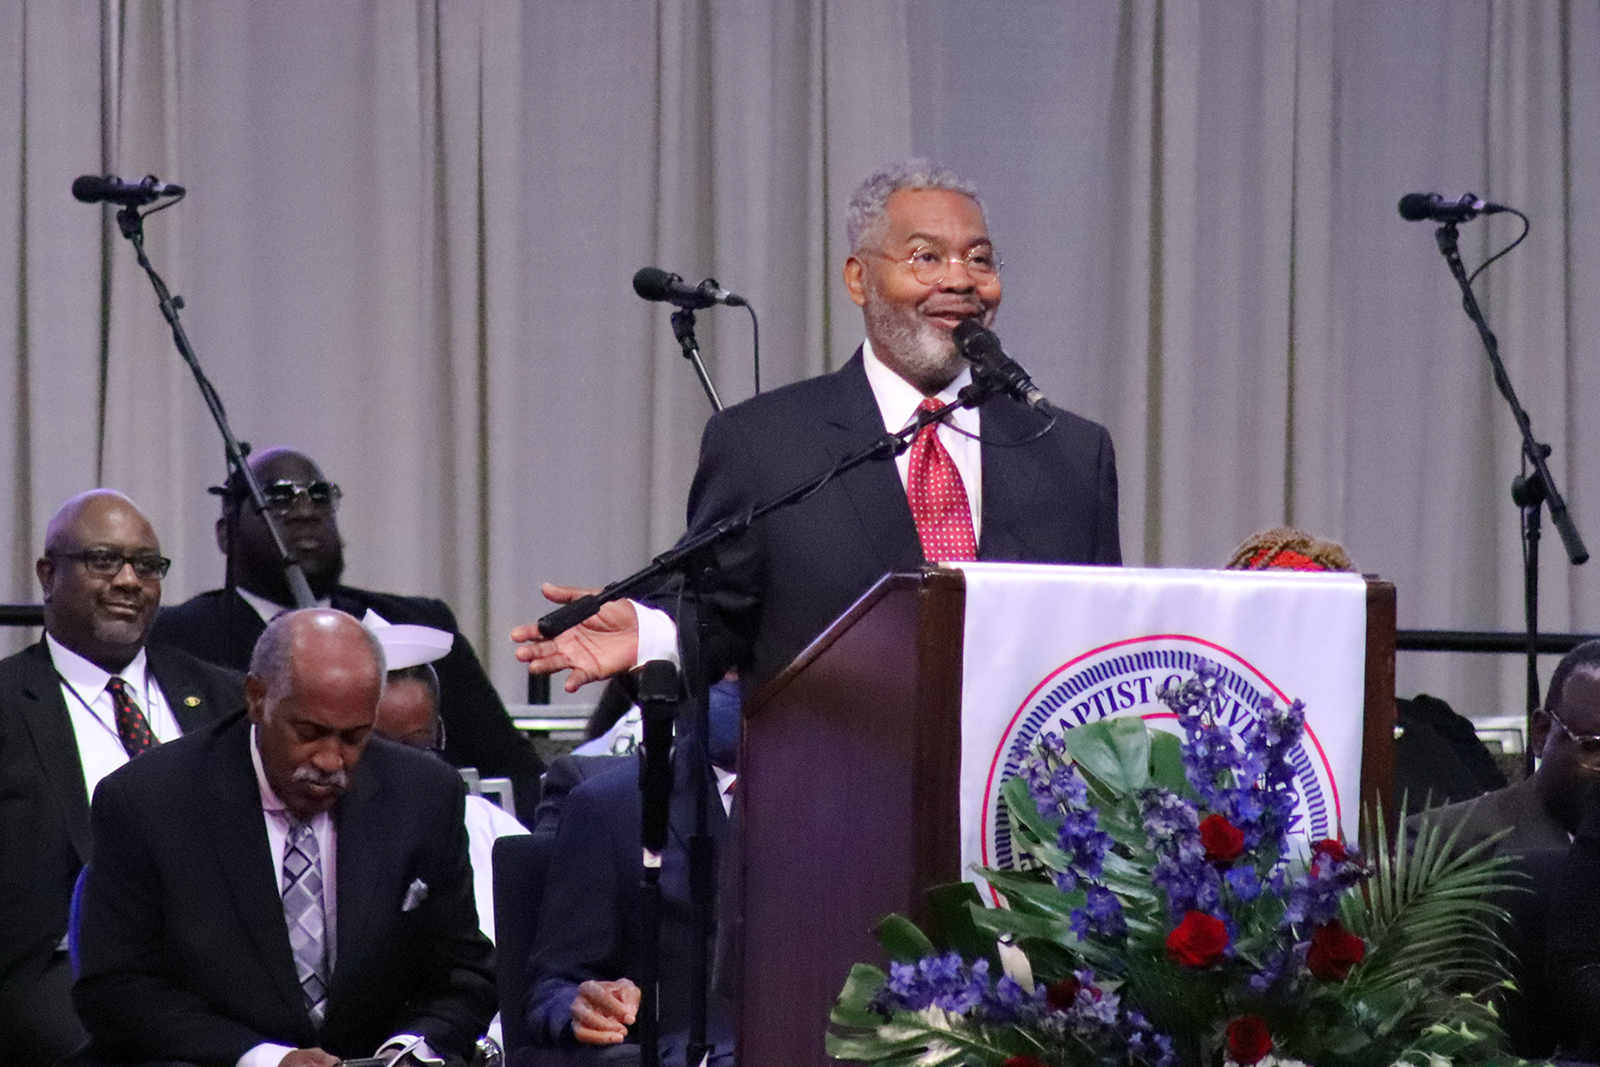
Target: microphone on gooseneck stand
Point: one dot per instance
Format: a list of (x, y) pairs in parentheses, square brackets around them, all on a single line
[(981, 348), (653, 283), (92, 189), (1431, 207)]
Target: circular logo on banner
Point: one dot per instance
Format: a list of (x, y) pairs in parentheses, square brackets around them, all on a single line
[(1123, 679)]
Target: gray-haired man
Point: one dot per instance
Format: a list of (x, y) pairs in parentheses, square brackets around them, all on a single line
[(987, 484)]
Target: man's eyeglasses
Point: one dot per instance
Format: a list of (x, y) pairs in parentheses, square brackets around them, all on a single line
[(108, 562), (282, 495), (1588, 744), (929, 263)]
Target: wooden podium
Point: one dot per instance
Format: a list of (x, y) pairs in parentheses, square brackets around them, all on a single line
[(848, 795)]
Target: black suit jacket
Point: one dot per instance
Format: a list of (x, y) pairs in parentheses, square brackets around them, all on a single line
[(44, 830), (183, 948), (590, 921), (1050, 500), (222, 627)]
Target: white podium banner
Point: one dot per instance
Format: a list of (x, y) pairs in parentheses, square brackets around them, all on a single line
[(1051, 648)]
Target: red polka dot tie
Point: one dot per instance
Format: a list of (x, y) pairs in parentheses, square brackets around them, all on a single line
[(133, 729), (938, 499)]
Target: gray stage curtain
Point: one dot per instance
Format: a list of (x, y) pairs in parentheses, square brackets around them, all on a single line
[(412, 224)]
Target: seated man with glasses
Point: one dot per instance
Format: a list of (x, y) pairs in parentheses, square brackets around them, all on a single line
[(222, 625), (1544, 810), (89, 697)]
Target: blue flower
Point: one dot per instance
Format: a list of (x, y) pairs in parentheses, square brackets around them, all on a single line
[(1244, 883), (1101, 915)]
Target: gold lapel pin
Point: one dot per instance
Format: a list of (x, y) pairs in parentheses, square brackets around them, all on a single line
[(191, 702)]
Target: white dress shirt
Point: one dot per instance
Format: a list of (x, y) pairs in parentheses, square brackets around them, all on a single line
[(93, 715), (267, 609), (897, 401)]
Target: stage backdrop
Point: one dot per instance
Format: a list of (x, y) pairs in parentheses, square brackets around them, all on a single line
[(1052, 648), (411, 227)]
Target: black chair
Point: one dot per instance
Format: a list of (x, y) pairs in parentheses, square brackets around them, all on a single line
[(521, 864)]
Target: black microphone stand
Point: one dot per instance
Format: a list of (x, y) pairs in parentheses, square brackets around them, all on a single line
[(683, 330), (132, 225), (1529, 492), (658, 695), (693, 548), (694, 559)]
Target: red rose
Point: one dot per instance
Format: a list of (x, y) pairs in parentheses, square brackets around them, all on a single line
[(1063, 994), (1334, 950), (1224, 841), (1024, 1061), (1330, 848), (1248, 1039), (1198, 941)]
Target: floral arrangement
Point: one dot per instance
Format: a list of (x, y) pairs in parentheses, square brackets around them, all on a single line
[(1171, 917)]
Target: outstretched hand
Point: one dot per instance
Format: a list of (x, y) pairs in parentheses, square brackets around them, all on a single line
[(604, 644), (603, 1011)]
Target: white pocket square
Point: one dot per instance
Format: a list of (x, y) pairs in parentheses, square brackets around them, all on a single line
[(416, 893)]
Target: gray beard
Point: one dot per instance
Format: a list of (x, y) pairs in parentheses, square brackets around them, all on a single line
[(917, 350)]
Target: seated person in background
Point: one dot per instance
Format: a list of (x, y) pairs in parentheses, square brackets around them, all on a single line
[(281, 889), (1437, 752), (409, 714), (1544, 810), (222, 626), (90, 696), (1572, 945), (1284, 548), (590, 924)]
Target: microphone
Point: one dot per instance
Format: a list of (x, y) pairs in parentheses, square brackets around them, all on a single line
[(92, 189), (981, 348), (653, 283), (1418, 207)]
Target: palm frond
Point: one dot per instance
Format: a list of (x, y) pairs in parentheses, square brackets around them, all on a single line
[(1432, 928)]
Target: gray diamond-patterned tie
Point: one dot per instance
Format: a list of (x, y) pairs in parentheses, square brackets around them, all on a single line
[(302, 908)]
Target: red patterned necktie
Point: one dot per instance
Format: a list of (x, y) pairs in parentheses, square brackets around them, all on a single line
[(133, 729), (938, 499)]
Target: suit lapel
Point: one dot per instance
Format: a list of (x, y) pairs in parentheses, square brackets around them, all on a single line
[(239, 833), (878, 498), (361, 822), (185, 691), (1010, 478), (44, 715)]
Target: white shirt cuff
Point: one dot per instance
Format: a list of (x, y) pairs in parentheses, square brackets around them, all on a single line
[(265, 1055), (658, 636)]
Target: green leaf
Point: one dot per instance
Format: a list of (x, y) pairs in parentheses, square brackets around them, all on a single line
[(1115, 751), (1166, 762), (901, 940), (951, 926)]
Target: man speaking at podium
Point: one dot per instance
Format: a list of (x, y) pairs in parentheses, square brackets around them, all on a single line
[(986, 484)]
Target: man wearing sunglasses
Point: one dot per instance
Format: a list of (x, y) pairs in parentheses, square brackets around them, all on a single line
[(998, 482), (222, 625), (88, 698), (1544, 810)]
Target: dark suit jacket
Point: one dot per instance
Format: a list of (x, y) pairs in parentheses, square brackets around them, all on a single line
[(183, 949), (221, 627), (1052, 500), (590, 922), (1517, 808), (44, 831)]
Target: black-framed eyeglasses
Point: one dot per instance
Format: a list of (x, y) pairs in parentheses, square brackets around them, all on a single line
[(1588, 744), (282, 495), (108, 562), (929, 263)]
